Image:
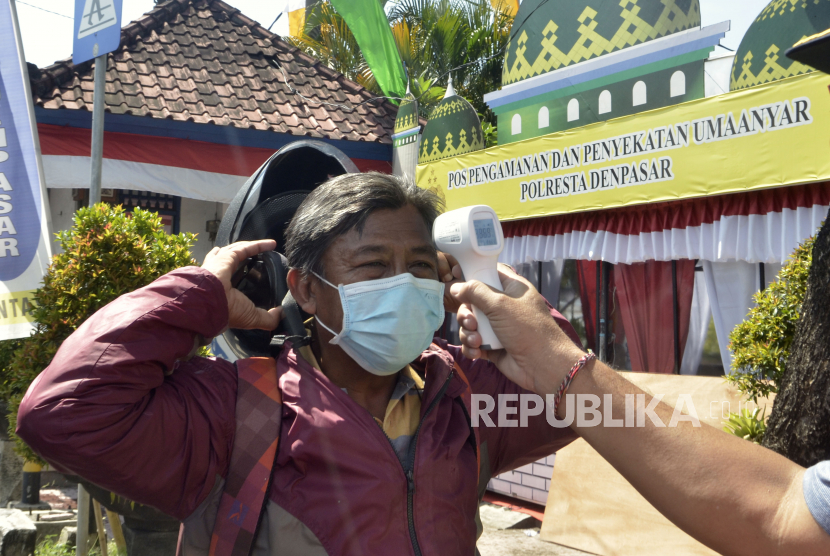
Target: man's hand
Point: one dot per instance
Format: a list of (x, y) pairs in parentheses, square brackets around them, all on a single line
[(222, 263), (537, 354), (449, 272)]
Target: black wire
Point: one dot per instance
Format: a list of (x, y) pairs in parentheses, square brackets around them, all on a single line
[(43, 9), (277, 19), (514, 29)]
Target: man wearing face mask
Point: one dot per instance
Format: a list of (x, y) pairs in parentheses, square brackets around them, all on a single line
[(375, 452)]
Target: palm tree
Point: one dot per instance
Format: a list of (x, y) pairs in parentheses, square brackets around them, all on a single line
[(433, 37)]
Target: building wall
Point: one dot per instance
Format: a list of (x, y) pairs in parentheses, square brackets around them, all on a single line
[(658, 95), (718, 72), (62, 209), (193, 216), (530, 482)]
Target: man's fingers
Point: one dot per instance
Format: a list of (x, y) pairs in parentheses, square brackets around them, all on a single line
[(470, 338), (466, 318), (444, 267), (266, 320), (245, 249), (472, 353), (272, 317), (476, 293), (260, 319)]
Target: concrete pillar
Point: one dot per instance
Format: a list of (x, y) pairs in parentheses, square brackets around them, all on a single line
[(11, 473)]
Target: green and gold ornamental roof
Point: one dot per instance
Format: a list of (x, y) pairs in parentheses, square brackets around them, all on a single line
[(760, 58), (453, 128), (552, 34), (407, 117)]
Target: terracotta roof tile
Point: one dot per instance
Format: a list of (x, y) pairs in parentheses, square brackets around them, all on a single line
[(204, 61)]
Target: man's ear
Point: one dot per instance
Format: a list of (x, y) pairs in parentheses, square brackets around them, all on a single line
[(300, 287)]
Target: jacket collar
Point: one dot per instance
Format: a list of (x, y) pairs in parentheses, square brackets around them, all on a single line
[(435, 364)]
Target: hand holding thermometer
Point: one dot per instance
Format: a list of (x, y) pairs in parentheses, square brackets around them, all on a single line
[(473, 236)]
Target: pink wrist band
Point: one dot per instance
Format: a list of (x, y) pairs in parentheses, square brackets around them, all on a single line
[(569, 378)]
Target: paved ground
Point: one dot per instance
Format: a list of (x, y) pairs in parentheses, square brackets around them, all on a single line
[(509, 533), (506, 533)]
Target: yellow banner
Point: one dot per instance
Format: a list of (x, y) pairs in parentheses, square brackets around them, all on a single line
[(767, 136), (16, 307), (510, 7)]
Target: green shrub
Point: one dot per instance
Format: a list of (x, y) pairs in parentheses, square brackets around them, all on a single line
[(749, 425), (7, 349), (761, 344), (107, 253), (49, 548)]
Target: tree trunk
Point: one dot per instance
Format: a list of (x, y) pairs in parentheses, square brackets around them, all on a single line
[(799, 426)]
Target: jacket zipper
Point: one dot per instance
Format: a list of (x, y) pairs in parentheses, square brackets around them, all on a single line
[(409, 468)]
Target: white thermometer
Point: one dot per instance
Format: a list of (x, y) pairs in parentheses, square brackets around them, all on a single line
[(473, 236)]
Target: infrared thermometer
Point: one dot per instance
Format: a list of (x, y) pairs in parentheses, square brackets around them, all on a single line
[(473, 236)]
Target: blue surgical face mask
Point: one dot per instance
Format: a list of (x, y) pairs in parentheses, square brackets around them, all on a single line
[(387, 323)]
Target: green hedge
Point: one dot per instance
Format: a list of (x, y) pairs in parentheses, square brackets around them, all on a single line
[(761, 344), (108, 252)]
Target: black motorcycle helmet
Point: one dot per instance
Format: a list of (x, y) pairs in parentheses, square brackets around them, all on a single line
[(262, 209)]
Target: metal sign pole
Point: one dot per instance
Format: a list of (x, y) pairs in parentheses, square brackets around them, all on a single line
[(96, 33), (97, 154)]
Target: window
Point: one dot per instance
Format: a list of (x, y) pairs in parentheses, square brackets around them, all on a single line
[(516, 124), (678, 84), (573, 110), (605, 102), (639, 94), (544, 117)]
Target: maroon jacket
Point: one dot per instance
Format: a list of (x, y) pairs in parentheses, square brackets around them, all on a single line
[(119, 407)]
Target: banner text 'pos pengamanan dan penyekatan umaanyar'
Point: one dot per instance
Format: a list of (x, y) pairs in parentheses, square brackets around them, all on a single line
[(767, 136)]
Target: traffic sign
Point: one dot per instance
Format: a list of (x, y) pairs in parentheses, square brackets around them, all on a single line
[(97, 28)]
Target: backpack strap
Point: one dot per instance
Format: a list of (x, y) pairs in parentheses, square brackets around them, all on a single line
[(252, 458), (466, 397)]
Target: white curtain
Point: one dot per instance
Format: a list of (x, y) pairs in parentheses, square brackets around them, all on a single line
[(70, 172), (730, 286), (551, 275), (701, 313)]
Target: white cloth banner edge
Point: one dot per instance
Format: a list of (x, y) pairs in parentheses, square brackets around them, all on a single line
[(65, 172), (755, 238)]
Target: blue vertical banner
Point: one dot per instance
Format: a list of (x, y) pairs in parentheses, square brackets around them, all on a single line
[(24, 216)]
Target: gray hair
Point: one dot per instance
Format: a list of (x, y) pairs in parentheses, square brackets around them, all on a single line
[(344, 203)]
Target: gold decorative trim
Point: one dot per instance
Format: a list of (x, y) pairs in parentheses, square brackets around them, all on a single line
[(430, 153), (772, 70), (590, 44)]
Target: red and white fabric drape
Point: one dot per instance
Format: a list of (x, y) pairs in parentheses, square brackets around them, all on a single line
[(731, 235), (641, 310), (757, 226), (182, 167)]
